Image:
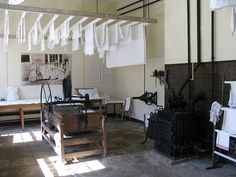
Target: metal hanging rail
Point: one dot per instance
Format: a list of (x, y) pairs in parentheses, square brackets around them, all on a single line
[(31, 9)]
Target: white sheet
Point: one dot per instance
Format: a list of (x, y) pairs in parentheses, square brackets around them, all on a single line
[(89, 39), (219, 4), (229, 120), (232, 96), (133, 53), (6, 30), (222, 140)]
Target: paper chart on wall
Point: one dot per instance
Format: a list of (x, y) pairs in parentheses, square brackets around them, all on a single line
[(94, 73), (106, 74)]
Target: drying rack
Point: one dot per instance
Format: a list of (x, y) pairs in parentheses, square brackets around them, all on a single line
[(216, 151)]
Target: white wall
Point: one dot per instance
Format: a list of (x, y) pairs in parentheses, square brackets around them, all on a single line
[(10, 62), (176, 33), (134, 80)]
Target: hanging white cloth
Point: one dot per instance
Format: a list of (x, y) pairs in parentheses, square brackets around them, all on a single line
[(56, 36), (233, 19), (6, 30), (124, 34), (20, 32), (89, 39), (15, 2), (232, 96), (65, 31), (76, 35), (219, 4), (102, 39), (113, 37), (215, 112)]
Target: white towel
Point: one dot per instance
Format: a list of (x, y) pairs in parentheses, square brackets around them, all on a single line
[(127, 103), (15, 2), (113, 37), (219, 4), (89, 39), (6, 30), (222, 140), (76, 35), (232, 96), (229, 120), (65, 32), (215, 112), (102, 39), (124, 34), (20, 32), (233, 19)]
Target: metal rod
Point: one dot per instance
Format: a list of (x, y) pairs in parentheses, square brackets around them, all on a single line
[(139, 7), (189, 49), (72, 13), (199, 50), (124, 7), (213, 53)]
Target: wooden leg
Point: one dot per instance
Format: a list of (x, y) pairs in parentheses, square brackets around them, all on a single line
[(22, 118), (104, 140)]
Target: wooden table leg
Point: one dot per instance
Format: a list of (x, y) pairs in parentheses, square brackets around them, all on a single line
[(22, 118)]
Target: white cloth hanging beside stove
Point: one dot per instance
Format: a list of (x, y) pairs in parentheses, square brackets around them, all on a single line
[(6, 30), (89, 39), (102, 39)]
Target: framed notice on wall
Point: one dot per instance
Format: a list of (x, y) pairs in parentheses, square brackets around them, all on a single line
[(99, 73), (37, 68)]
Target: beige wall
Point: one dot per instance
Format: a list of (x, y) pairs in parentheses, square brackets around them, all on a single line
[(176, 33), (133, 81)]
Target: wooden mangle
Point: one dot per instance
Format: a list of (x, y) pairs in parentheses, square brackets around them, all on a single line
[(71, 129)]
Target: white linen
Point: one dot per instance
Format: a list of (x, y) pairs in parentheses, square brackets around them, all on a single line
[(65, 31), (113, 36), (222, 140), (232, 96), (125, 33), (15, 2), (215, 112), (89, 39), (20, 32), (229, 120), (6, 30), (133, 53), (76, 35), (127, 103), (233, 19), (102, 39), (219, 4), (12, 93), (93, 93)]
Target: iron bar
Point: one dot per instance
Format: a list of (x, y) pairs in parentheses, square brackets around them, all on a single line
[(124, 7)]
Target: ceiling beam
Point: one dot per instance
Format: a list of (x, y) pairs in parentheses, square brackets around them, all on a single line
[(31, 9)]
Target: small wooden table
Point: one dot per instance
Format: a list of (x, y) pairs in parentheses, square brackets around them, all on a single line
[(20, 105)]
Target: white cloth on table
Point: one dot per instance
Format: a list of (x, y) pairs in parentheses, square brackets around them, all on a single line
[(89, 39), (12, 93), (229, 120), (219, 4), (232, 96), (93, 93), (6, 30), (222, 140), (215, 112)]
